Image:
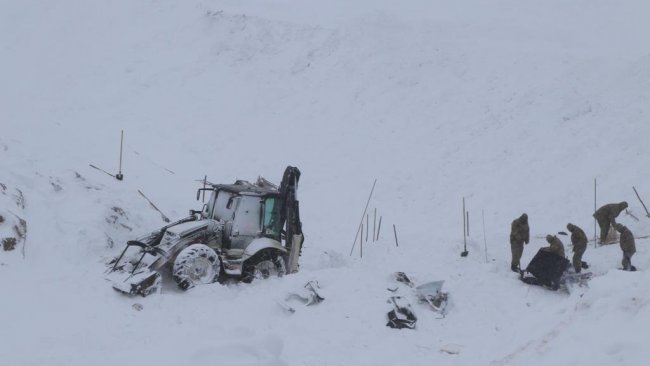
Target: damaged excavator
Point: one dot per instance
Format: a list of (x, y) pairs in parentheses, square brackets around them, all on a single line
[(245, 231)]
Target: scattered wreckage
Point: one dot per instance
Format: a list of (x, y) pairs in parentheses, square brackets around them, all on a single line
[(402, 315), (309, 295), (244, 231)]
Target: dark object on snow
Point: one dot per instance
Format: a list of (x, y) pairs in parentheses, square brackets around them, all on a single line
[(546, 269), (401, 316), (403, 278), (8, 244)]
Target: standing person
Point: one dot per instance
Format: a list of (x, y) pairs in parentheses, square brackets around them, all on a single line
[(627, 245), (519, 234), (556, 245), (579, 241), (606, 216)]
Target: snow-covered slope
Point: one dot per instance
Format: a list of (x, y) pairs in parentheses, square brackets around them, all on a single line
[(516, 105)]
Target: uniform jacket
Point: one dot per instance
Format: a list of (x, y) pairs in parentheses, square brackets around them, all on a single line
[(578, 238), (610, 212), (520, 232)]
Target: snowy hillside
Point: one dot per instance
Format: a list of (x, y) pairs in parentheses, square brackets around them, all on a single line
[(515, 105)]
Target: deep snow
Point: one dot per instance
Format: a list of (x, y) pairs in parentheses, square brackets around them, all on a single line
[(516, 105)]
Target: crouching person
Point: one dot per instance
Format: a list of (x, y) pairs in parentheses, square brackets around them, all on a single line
[(555, 246)]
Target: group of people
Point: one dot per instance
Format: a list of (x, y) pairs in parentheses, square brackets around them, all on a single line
[(605, 217)]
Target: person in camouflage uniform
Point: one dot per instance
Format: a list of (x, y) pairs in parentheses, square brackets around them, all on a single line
[(606, 216), (627, 245), (579, 241), (519, 234), (556, 245)]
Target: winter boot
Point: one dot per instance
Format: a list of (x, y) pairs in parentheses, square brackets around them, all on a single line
[(514, 268)]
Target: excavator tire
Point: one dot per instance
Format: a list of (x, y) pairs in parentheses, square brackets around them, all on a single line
[(265, 264), (195, 265)]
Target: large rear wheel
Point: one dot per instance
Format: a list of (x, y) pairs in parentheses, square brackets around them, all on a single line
[(195, 265), (265, 264)]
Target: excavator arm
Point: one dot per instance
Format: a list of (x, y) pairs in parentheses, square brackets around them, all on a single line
[(290, 214)]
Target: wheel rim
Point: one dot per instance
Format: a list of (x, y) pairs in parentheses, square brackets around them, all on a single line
[(201, 270)]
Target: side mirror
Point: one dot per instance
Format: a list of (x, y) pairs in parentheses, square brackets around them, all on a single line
[(198, 194)]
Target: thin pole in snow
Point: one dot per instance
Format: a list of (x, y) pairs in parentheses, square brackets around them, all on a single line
[(379, 227), (484, 240), (595, 232), (374, 225), (367, 225), (640, 200), (119, 175), (205, 181), (361, 242), (465, 218), (362, 215), (395, 231)]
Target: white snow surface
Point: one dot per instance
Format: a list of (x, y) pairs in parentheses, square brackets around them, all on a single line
[(515, 105)]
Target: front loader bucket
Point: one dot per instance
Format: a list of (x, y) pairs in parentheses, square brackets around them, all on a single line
[(141, 283)]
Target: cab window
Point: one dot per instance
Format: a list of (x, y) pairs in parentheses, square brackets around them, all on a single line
[(271, 219)]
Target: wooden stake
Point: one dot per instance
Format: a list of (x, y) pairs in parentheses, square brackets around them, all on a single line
[(395, 231), (101, 170), (484, 240), (464, 253), (361, 242), (205, 181), (362, 215), (367, 225), (374, 225), (379, 227), (639, 197), (119, 175), (595, 208), (164, 218)]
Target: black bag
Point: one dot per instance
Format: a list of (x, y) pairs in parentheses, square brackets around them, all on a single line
[(547, 269)]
